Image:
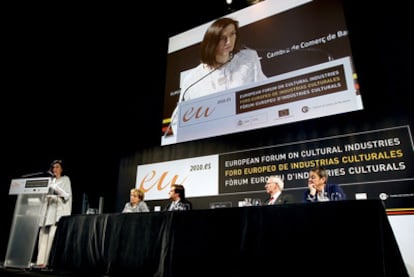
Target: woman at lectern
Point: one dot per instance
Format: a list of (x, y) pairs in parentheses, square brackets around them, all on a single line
[(58, 203)]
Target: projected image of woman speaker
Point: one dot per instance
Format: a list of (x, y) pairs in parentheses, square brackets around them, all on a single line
[(223, 64)]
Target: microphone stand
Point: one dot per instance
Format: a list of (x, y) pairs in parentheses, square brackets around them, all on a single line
[(174, 115), (36, 174)]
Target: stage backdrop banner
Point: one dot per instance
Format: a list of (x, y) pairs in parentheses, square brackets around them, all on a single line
[(367, 160), (198, 175), (352, 159)]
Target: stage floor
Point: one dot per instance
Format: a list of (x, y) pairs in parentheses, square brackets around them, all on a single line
[(6, 272)]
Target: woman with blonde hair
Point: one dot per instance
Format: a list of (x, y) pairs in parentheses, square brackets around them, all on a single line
[(136, 202)]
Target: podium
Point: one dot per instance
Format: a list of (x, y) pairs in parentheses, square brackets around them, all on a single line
[(31, 194)]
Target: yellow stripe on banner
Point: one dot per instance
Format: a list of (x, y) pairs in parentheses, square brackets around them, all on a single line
[(396, 211)]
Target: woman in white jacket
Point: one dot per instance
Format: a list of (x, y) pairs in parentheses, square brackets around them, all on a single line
[(57, 203), (224, 65)]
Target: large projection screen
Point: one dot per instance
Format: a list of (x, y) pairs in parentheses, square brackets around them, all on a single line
[(304, 52)]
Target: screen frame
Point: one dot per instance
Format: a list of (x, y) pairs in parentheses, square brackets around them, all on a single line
[(326, 36)]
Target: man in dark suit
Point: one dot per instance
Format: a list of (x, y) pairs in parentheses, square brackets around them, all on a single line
[(178, 200), (274, 187)]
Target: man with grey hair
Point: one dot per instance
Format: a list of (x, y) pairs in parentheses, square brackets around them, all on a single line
[(274, 187)]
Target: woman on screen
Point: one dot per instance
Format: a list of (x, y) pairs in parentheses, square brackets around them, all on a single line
[(223, 65)]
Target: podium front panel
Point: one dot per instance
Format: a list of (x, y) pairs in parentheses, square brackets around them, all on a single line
[(24, 230)]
